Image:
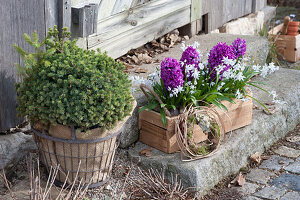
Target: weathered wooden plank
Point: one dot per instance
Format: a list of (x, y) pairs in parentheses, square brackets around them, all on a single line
[(64, 14), (134, 38), (257, 5), (51, 13), (141, 14), (85, 17), (221, 11), (17, 17), (196, 10), (121, 5), (105, 8)]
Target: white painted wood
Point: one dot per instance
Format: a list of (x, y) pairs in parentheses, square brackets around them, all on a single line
[(133, 38), (105, 8), (84, 2), (121, 5), (142, 14)]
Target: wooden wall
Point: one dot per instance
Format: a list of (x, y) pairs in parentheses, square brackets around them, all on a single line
[(18, 17)]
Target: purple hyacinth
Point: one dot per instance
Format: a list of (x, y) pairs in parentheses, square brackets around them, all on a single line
[(239, 47), (171, 73), (190, 56), (216, 55)]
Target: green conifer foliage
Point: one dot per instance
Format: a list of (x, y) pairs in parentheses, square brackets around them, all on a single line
[(70, 86)]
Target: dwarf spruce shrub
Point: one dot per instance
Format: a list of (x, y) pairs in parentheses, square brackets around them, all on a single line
[(70, 86)]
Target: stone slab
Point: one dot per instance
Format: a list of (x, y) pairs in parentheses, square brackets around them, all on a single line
[(289, 181), (251, 198), (265, 129), (270, 193), (259, 176), (275, 163), (288, 152), (246, 189), (294, 167), (291, 196), (13, 147)]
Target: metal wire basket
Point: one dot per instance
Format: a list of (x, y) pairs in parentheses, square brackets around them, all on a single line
[(91, 160)]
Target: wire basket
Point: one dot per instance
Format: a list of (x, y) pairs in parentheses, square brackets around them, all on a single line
[(91, 160)]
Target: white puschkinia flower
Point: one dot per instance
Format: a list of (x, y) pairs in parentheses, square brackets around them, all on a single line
[(201, 66), (239, 77), (220, 68), (196, 74), (137, 81), (273, 68), (274, 96), (268, 69), (176, 91), (239, 95), (183, 47), (256, 68), (196, 45), (228, 61), (154, 77)]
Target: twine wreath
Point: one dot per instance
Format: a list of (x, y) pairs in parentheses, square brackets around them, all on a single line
[(209, 121)]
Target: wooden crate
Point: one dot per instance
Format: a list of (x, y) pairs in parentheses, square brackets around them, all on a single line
[(287, 46), (153, 133), (238, 114)]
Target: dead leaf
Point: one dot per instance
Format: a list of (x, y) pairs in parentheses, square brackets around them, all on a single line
[(146, 152), (162, 39), (256, 158), (270, 103), (135, 59), (163, 47), (280, 162), (293, 138), (186, 37), (271, 110), (140, 70), (239, 180), (255, 107), (265, 157), (144, 58), (176, 32)]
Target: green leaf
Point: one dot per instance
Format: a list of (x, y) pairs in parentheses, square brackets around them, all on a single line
[(163, 117)]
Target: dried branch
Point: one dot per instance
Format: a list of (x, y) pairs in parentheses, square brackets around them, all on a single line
[(155, 186)]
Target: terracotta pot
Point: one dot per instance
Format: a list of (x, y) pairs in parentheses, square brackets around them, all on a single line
[(293, 28)]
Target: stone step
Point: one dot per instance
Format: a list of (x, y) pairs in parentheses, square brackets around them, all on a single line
[(265, 129)]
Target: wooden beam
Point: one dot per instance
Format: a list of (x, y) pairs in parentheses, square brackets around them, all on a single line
[(133, 38), (140, 15), (196, 10), (64, 14), (86, 17)]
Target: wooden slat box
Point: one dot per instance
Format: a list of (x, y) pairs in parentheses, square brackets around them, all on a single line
[(238, 114), (153, 133), (288, 46)]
